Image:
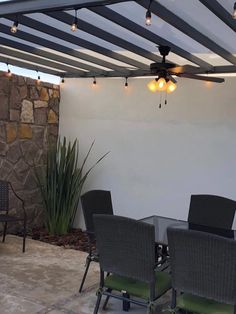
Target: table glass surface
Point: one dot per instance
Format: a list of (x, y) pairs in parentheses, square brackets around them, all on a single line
[(162, 223)]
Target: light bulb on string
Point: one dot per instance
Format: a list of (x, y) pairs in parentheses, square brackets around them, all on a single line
[(126, 83), (14, 27), (74, 25)]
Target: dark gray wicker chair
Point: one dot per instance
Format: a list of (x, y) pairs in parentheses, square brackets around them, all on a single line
[(211, 210), (203, 269), (94, 202), (127, 251), (5, 218)]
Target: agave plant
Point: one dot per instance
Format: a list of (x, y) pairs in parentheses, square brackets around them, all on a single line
[(61, 184)]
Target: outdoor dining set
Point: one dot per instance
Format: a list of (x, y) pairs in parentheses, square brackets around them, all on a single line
[(141, 260)]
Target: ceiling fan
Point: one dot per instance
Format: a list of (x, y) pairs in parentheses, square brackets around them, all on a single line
[(165, 71)]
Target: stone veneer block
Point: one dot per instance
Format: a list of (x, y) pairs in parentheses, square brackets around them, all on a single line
[(3, 107), (52, 117), (40, 104), (14, 115), (40, 116), (11, 132), (44, 94), (27, 115), (25, 131)]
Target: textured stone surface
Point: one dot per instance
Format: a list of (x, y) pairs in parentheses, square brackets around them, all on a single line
[(40, 104), (27, 115), (25, 131), (45, 280), (11, 132), (24, 140), (52, 117), (3, 107)]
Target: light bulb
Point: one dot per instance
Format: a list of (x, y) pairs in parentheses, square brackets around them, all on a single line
[(161, 84), (62, 80), (170, 87), (234, 11), (94, 81), (152, 86), (14, 27), (74, 27), (148, 18)]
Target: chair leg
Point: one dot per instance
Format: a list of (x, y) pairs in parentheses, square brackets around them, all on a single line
[(24, 236), (97, 303), (173, 300), (107, 299), (126, 304), (4, 232), (85, 273)]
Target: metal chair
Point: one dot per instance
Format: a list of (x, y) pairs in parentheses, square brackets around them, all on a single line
[(94, 202), (127, 252), (211, 210), (5, 218), (203, 272)]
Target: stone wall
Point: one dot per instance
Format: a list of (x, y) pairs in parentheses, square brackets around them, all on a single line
[(29, 114)]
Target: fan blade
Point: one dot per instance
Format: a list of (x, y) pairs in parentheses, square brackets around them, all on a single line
[(170, 77), (186, 69), (203, 78)]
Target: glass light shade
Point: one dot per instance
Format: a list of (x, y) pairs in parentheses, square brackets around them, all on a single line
[(170, 87), (152, 86), (161, 84)]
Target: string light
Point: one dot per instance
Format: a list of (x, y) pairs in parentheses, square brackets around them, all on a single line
[(9, 74), (38, 79), (14, 27), (148, 20), (234, 11), (126, 83), (62, 80), (74, 25), (94, 81)]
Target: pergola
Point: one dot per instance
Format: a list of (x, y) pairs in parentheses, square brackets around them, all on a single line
[(112, 39)]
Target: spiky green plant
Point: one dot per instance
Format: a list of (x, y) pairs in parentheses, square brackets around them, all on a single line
[(61, 184)]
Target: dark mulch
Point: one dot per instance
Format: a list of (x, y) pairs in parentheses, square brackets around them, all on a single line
[(76, 239)]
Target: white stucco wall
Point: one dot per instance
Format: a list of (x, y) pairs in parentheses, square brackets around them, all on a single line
[(158, 157)]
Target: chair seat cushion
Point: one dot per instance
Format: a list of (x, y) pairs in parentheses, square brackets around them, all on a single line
[(8, 218), (137, 288), (197, 304)]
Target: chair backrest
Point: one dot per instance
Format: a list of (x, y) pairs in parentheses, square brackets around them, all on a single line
[(126, 247), (4, 195), (95, 202), (203, 264), (212, 210)]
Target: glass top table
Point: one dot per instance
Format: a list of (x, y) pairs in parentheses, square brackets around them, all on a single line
[(162, 223)]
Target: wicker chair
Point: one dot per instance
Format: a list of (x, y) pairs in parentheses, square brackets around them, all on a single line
[(211, 210), (94, 202), (5, 218), (127, 251), (203, 272)]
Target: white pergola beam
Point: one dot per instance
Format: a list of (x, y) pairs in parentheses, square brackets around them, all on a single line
[(31, 6)]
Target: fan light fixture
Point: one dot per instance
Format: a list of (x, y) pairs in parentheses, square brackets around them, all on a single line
[(14, 27), (74, 25), (234, 11), (161, 84)]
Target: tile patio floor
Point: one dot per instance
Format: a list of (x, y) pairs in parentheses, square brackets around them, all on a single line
[(46, 279)]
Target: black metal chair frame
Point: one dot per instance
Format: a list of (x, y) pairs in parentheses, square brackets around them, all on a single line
[(88, 212), (147, 235), (4, 207), (206, 250)]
